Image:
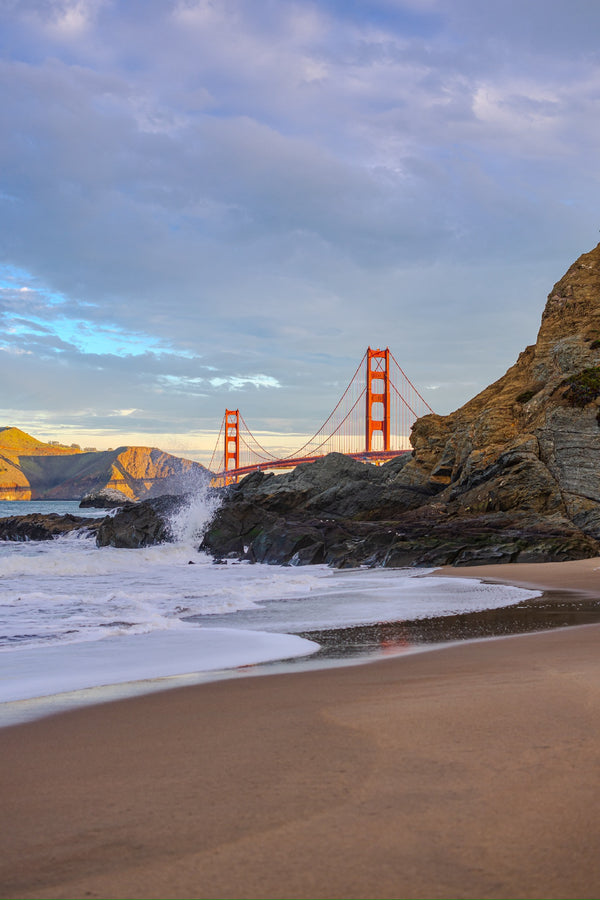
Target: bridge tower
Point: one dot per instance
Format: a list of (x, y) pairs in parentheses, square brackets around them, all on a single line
[(378, 398), (232, 439)]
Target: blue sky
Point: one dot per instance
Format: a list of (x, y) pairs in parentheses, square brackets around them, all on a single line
[(210, 203)]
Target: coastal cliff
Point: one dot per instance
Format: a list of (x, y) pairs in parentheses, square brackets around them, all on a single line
[(531, 440), (33, 470), (514, 474)]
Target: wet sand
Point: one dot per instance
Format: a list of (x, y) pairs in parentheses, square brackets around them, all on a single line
[(470, 771)]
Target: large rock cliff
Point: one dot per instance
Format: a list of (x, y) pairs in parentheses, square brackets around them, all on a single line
[(531, 440), (514, 474)]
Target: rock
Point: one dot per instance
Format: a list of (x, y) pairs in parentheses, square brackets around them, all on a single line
[(527, 416), (514, 474), (44, 526), (139, 524), (335, 485), (108, 498), (134, 525)]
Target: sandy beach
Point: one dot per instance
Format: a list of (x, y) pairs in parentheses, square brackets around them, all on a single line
[(469, 771), (582, 575)]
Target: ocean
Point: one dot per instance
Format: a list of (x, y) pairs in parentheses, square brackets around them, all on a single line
[(75, 618)]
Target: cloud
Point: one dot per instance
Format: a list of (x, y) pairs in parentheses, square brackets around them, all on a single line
[(256, 381), (199, 199)]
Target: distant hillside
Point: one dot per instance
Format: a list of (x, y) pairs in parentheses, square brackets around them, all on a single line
[(17, 442), (33, 470)]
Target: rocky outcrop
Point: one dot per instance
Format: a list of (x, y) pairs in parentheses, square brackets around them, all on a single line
[(344, 513), (32, 470), (527, 442), (133, 526), (44, 526), (514, 474), (139, 524), (104, 499)]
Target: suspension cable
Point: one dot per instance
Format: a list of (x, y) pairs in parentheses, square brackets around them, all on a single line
[(330, 417), (265, 456), (210, 468), (410, 382), (269, 458), (329, 436), (406, 403), (269, 455)]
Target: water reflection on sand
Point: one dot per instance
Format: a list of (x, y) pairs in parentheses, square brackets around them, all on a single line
[(554, 609)]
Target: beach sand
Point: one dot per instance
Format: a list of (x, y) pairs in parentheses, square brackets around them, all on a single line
[(577, 575), (469, 771)]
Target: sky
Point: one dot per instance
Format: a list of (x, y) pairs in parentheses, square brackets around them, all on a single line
[(222, 203)]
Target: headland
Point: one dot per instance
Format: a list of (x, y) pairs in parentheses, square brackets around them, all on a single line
[(35, 470)]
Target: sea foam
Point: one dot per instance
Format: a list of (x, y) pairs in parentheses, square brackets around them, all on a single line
[(71, 612)]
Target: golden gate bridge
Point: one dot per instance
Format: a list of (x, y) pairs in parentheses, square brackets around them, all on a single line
[(371, 422)]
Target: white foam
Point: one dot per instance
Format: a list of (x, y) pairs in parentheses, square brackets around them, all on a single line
[(366, 597), (189, 522), (73, 615), (53, 670), (66, 592)]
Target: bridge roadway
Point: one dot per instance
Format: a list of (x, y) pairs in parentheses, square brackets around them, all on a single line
[(373, 456)]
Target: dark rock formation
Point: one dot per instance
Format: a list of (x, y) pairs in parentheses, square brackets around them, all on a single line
[(108, 498), (44, 526), (135, 525), (265, 519), (139, 524), (514, 474)]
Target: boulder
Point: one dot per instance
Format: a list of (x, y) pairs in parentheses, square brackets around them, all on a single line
[(108, 498), (44, 526), (139, 524)]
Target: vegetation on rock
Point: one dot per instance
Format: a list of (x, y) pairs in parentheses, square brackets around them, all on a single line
[(584, 387)]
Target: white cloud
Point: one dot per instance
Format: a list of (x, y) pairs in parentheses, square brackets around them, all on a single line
[(61, 20), (264, 189), (240, 382)]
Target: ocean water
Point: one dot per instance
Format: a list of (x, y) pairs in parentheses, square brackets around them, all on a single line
[(62, 507), (74, 616)]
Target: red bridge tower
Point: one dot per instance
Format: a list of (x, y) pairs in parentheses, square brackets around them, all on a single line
[(378, 398), (232, 439)]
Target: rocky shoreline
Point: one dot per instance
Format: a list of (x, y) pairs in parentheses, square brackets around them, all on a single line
[(132, 526), (300, 519), (44, 526), (327, 512)]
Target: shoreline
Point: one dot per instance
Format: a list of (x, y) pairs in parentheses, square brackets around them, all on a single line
[(574, 575), (462, 773), (557, 607)]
